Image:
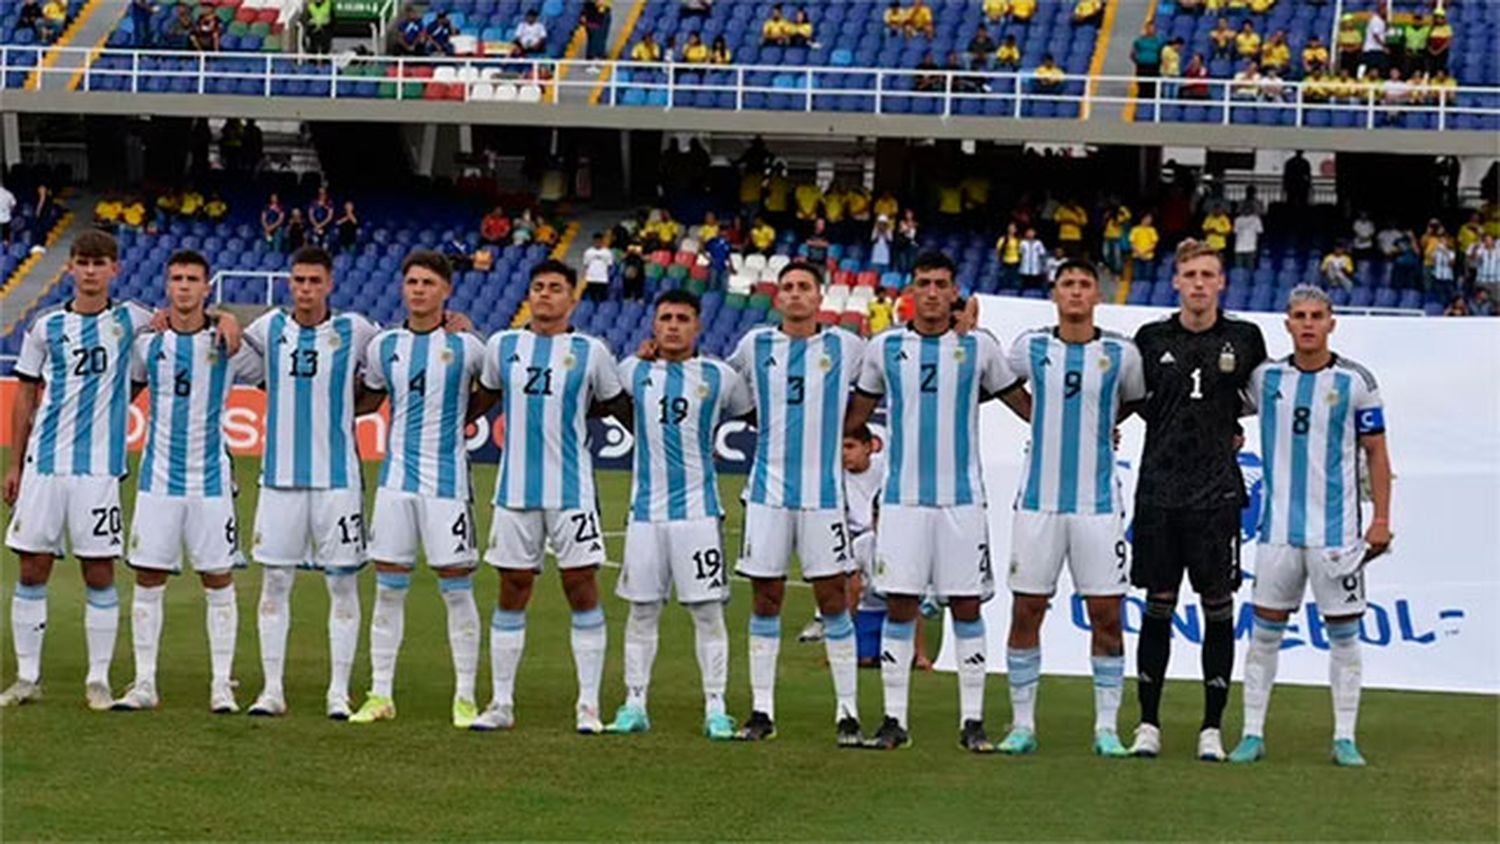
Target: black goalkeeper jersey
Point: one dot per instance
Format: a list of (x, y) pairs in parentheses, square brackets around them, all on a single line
[(1195, 385)]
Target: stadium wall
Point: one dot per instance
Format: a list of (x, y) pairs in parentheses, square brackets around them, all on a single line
[(1434, 614)]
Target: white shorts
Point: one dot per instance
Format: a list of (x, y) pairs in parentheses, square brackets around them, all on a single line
[(1094, 546), (404, 522), (946, 548), (83, 508), (1282, 573), (312, 528), (519, 539), (164, 525), (820, 538), (687, 554)]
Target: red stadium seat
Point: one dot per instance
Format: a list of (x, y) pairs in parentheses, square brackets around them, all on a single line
[(661, 257), (698, 272), (766, 287), (685, 259), (868, 278), (844, 277)]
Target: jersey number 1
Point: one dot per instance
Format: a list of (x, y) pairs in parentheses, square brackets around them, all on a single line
[(1197, 376)]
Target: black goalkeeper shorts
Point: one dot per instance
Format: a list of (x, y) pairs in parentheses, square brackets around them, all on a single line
[(1168, 540)]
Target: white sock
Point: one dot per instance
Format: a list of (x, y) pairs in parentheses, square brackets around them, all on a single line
[(145, 631), (765, 649), (843, 664), (101, 622), (1344, 675), (1024, 667), (897, 647), (387, 624), (507, 641), (463, 632), (343, 630), (28, 623), (641, 634), (1109, 682), (223, 619), (712, 646), (972, 650), (273, 618), (1260, 672), (590, 638)]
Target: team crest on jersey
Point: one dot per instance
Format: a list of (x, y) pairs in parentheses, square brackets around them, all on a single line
[(213, 355), (118, 330), (702, 391), (446, 356), (959, 354), (334, 341), (1333, 397), (1103, 363), (825, 363), (569, 361)]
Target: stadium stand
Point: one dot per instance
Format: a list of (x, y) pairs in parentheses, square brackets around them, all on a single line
[(248, 26)]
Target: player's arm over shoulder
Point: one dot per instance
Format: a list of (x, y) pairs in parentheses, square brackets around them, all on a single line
[(734, 395)]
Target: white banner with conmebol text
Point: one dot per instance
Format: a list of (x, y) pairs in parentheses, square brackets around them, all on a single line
[(1434, 617)]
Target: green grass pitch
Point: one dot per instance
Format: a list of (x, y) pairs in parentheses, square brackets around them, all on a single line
[(182, 773)]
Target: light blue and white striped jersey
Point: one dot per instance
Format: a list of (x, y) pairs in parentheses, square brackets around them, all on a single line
[(801, 389), (1076, 393), (678, 406), (188, 378), (80, 423), (1310, 423), (428, 376), (546, 385), (933, 386), (311, 376)]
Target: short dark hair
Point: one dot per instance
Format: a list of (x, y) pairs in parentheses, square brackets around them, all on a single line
[(935, 260), (95, 244), (861, 433), (429, 260), (1078, 264), (191, 258), (804, 266), (315, 255), (679, 296), (552, 265)]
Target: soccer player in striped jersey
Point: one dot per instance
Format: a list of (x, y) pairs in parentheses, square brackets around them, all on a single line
[(69, 423), (311, 505), (1319, 413), (799, 374), (932, 514), (424, 501), (672, 539), (185, 495), (1083, 381), (549, 379)]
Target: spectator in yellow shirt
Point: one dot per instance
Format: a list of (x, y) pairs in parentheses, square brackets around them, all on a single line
[(710, 228), (1087, 11), (1216, 229), (807, 197), (858, 200), (134, 215), (1008, 248), (886, 206), (1276, 54), (720, 52), (1009, 54), (1317, 87), (1049, 77), (696, 52), (646, 50), (1070, 218), (1337, 268), (1143, 241), (1260, 7), (975, 188), (1247, 42), (836, 211), (215, 208), (880, 312), (919, 19), (1222, 37), (1116, 218), (762, 237), (778, 194), (996, 10), (777, 29), (1314, 55), (895, 18), (190, 204), (1022, 11), (800, 31)]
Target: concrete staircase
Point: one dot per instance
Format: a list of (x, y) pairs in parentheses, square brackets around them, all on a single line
[(89, 30)]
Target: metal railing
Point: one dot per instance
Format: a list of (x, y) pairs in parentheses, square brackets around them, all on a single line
[(879, 91), (270, 277)]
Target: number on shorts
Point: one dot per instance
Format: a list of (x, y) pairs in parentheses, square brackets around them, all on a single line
[(587, 525), (709, 563), (180, 384), (1120, 554), (929, 378), (1301, 420), (796, 389), (231, 532), (351, 528), (1072, 384), (107, 521), (984, 559), (461, 530), (840, 538), (304, 363), (673, 411), (90, 361)]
